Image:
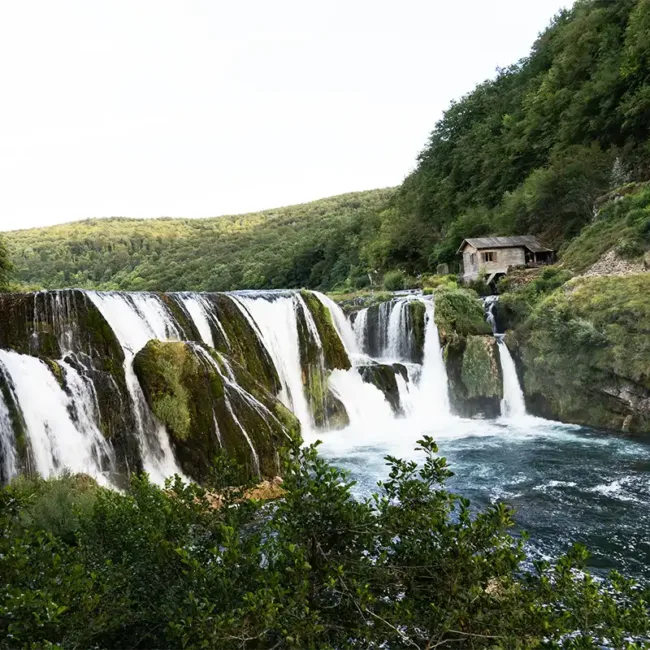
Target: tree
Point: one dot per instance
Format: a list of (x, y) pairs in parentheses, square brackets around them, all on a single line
[(6, 266)]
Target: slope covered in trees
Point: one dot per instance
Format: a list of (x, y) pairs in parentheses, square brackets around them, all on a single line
[(526, 152)]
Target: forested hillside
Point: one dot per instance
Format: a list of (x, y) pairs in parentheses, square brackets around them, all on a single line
[(526, 152), (316, 244)]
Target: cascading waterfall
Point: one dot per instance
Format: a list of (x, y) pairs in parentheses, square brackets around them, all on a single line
[(8, 460), (433, 388), (56, 440), (66, 422), (275, 320), (202, 316), (136, 319)]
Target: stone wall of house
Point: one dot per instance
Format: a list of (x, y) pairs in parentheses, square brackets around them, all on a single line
[(503, 259)]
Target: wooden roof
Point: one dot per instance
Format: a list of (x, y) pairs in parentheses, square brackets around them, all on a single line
[(520, 241)]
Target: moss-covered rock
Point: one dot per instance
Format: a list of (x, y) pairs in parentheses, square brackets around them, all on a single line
[(188, 387), (416, 320), (585, 353), (334, 354), (459, 313), (475, 379), (242, 343)]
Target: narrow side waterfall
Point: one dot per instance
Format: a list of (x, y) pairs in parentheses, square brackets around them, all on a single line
[(341, 323), (136, 319), (513, 405)]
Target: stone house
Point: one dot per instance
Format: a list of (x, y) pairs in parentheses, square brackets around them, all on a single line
[(493, 256)]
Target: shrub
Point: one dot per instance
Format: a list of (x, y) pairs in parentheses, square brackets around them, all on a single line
[(412, 567), (394, 281)]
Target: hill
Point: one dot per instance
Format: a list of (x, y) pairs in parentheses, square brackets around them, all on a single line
[(528, 152), (314, 244)]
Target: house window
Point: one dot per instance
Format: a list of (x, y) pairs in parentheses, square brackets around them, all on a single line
[(472, 259), (489, 257)]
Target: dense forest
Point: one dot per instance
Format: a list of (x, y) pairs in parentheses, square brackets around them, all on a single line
[(529, 151)]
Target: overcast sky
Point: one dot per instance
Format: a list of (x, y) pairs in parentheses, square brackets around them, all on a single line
[(201, 108)]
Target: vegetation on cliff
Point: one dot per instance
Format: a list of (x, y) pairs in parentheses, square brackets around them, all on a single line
[(459, 313), (585, 351), (86, 567)]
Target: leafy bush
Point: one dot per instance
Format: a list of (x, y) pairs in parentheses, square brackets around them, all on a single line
[(459, 312), (410, 567), (394, 281)]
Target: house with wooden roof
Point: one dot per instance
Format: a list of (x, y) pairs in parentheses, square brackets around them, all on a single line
[(493, 256)]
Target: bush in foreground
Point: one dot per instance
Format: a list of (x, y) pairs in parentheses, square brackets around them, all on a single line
[(408, 568)]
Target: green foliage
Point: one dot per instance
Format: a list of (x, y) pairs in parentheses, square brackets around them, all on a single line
[(516, 305), (459, 312), (394, 281), (6, 266), (411, 567), (622, 224), (315, 245)]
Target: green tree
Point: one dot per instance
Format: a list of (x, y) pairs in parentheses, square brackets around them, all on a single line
[(6, 267)]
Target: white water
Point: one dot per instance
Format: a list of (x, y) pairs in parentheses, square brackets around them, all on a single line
[(202, 314), (432, 400), (136, 319), (7, 443), (275, 320), (359, 328), (342, 324), (56, 442), (512, 404), (196, 308)]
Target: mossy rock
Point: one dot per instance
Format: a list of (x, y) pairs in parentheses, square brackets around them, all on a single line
[(19, 429), (474, 373), (204, 412), (416, 319), (334, 353), (459, 313), (585, 353), (243, 344), (481, 370)]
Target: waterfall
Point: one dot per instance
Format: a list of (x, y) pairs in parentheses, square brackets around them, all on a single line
[(136, 319), (80, 413), (56, 441), (202, 315), (341, 323), (359, 329), (8, 460), (433, 387), (274, 317), (512, 404)]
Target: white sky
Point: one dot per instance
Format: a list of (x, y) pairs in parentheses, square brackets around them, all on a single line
[(198, 108)]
